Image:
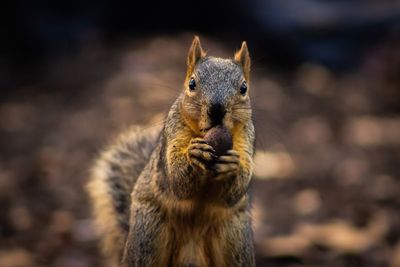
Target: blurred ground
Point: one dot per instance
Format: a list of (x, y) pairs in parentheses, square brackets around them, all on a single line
[(327, 184)]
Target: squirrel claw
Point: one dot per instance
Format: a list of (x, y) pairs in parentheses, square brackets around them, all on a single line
[(200, 153), (199, 163), (227, 165)]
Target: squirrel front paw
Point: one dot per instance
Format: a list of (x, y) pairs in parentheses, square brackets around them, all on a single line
[(201, 154), (227, 165)]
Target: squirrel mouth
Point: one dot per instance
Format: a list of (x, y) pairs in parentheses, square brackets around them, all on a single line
[(205, 130)]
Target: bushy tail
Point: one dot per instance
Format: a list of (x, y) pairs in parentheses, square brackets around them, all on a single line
[(111, 182)]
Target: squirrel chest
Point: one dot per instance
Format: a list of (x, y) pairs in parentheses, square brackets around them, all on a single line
[(197, 232)]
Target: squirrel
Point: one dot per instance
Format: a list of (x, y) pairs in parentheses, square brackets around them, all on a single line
[(162, 197)]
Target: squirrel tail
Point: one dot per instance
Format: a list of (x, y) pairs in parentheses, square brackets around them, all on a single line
[(111, 182)]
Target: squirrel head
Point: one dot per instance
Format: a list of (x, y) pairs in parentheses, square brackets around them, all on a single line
[(216, 90)]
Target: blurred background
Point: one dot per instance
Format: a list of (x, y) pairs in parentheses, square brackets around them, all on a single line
[(326, 98)]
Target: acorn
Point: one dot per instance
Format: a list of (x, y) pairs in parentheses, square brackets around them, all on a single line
[(220, 139)]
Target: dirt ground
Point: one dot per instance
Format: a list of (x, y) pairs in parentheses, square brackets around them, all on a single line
[(327, 176)]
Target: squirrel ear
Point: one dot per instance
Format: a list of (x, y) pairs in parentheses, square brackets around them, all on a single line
[(243, 58), (195, 53)]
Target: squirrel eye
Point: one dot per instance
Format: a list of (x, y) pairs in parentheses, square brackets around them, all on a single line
[(243, 88), (192, 84)]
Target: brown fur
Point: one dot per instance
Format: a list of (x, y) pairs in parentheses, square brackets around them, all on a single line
[(163, 198)]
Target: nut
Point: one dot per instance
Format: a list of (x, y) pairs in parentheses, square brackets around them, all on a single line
[(220, 139)]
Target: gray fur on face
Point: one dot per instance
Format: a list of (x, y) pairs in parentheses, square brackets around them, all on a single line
[(218, 79)]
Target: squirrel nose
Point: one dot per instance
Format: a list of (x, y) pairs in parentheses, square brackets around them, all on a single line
[(216, 112)]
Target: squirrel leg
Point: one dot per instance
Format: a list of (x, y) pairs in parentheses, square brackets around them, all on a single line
[(238, 236), (147, 243), (188, 167)]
